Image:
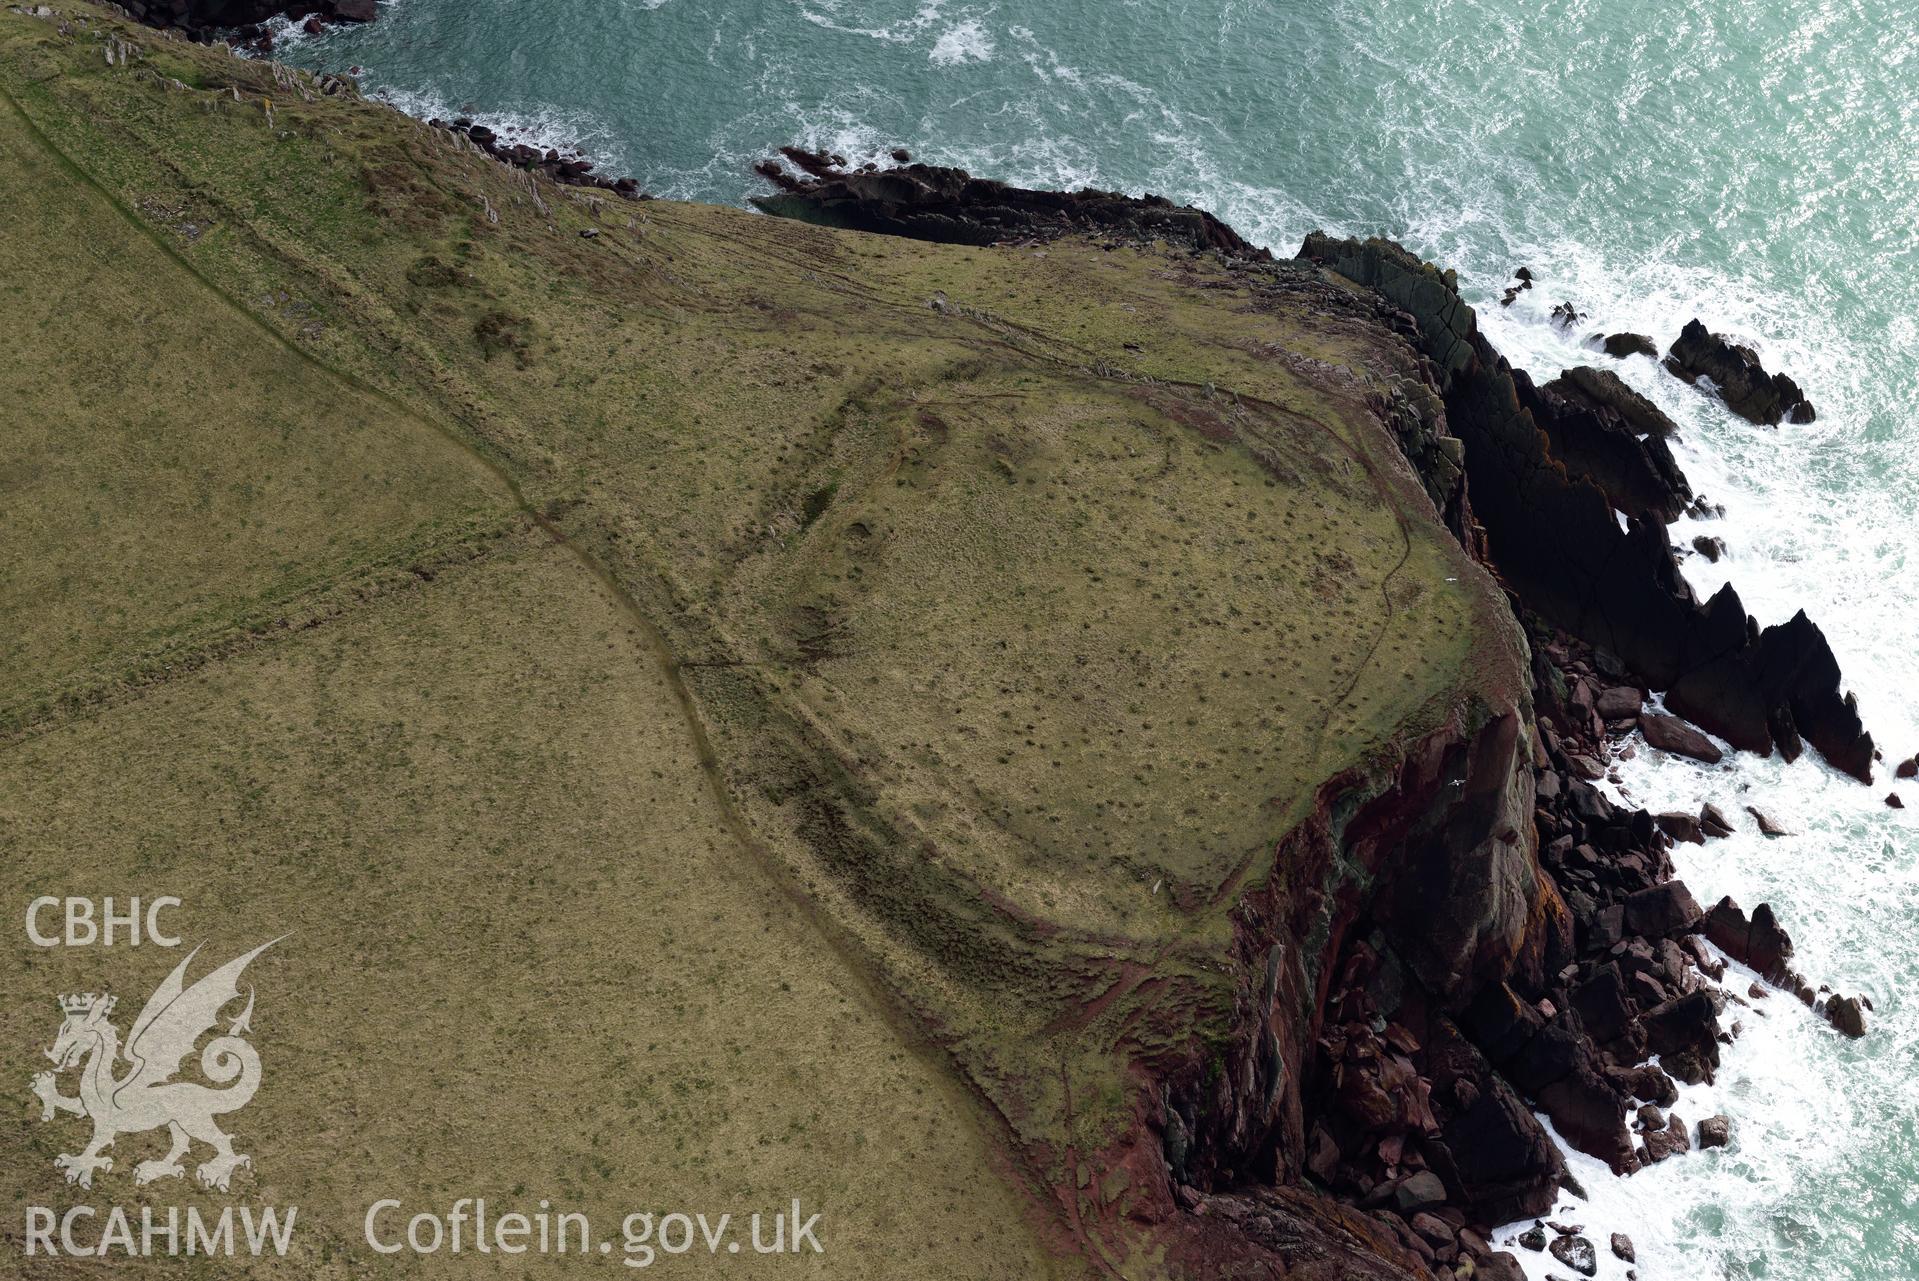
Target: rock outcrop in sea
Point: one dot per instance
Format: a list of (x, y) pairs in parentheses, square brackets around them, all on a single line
[(1735, 372)]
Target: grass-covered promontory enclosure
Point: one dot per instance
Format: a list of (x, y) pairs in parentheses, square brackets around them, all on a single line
[(727, 709)]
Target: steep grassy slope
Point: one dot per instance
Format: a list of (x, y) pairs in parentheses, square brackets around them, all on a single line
[(1017, 602)]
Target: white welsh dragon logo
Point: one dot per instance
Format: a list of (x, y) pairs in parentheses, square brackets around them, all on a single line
[(145, 1097)]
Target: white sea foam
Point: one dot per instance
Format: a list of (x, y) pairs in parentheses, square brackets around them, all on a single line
[(1044, 61), (962, 42), (829, 13), (289, 34), (541, 126)]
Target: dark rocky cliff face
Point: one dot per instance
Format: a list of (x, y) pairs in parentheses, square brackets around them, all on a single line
[(1352, 1128), (1485, 934), (1605, 433), (1554, 539)]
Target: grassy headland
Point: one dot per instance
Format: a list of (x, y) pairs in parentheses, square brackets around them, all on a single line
[(732, 709)]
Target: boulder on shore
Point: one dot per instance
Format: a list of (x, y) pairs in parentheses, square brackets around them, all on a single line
[(1844, 1013), (1681, 827), (1619, 702), (1662, 911), (1500, 1266), (1670, 734), (1760, 942), (1577, 1253), (1684, 1023), (1620, 346)]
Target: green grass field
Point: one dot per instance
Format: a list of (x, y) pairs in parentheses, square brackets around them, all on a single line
[(730, 709)]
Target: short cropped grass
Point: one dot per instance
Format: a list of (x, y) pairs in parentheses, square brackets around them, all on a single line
[(1018, 603)]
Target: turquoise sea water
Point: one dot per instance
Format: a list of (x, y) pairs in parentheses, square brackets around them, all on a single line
[(1752, 162)]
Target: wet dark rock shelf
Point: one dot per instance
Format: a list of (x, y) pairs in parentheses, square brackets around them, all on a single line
[(565, 167), (928, 202), (209, 20)]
